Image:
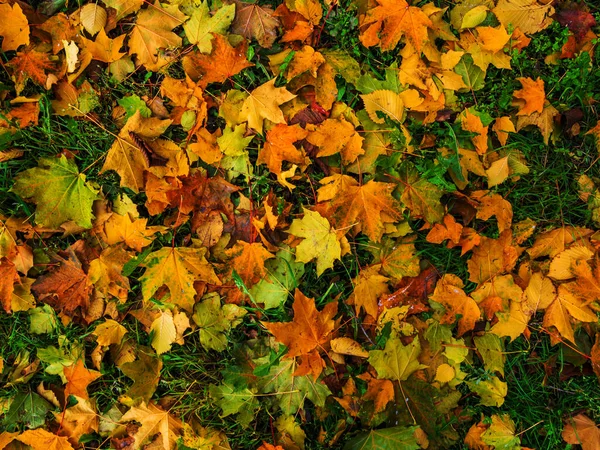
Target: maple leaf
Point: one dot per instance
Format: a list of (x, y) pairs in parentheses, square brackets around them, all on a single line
[(577, 20), (110, 332), (450, 230), (396, 361), (72, 101), (66, 287), (105, 273), (397, 259), (494, 205), (248, 260), (582, 430), (78, 420), (543, 120), (153, 420), (419, 195), (263, 103), (152, 32), (134, 233), (390, 20), (320, 240), (309, 9), (553, 242), (78, 378), (368, 208), (145, 373), (563, 308), (279, 147), (223, 62), (254, 21), (503, 126), (215, 321), (492, 257), (125, 158), (368, 287), (386, 438), (41, 439), (501, 433), (309, 329), (449, 293), (59, 190), (62, 29), (30, 65), (14, 27), (532, 97), (177, 268), (337, 136), (292, 390), (201, 27), (105, 49), (124, 7)]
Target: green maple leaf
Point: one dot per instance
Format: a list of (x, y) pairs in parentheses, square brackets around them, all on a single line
[(59, 191), (215, 321), (292, 391), (27, 408), (235, 401), (385, 439)]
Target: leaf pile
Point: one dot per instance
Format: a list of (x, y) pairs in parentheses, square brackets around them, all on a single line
[(272, 195)]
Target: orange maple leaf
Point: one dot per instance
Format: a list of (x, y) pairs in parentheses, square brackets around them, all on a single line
[(280, 147), (448, 292), (531, 98), (78, 379), (368, 208), (66, 287), (308, 330), (223, 62), (249, 261), (390, 20), (30, 64)]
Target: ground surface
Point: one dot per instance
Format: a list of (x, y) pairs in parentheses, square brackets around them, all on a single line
[(300, 224)]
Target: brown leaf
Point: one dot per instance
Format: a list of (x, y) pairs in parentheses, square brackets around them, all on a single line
[(66, 287), (30, 65), (582, 430), (253, 21)]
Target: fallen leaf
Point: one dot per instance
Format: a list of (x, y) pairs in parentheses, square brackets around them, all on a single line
[(582, 430), (14, 27), (60, 192), (254, 21), (320, 240), (309, 329)]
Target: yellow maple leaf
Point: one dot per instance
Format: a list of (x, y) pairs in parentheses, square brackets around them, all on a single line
[(263, 103), (320, 240), (152, 32)]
